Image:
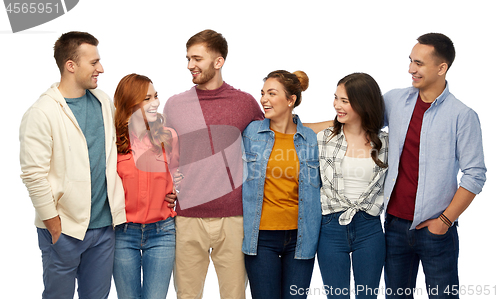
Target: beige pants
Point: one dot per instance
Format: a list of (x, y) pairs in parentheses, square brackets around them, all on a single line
[(197, 239)]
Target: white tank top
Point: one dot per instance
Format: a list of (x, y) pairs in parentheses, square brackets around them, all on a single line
[(357, 173)]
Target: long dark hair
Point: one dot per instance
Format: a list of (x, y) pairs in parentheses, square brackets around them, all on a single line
[(366, 100)]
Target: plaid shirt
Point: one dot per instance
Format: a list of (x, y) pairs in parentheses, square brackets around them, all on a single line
[(333, 198)]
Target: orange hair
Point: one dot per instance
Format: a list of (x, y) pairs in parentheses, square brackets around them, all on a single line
[(129, 94)]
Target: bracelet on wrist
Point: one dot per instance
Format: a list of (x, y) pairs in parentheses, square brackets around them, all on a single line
[(445, 220)]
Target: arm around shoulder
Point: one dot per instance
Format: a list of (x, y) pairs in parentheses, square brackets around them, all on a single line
[(319, 126)]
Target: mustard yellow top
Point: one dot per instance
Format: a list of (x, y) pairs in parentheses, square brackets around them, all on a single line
[(280, 208)]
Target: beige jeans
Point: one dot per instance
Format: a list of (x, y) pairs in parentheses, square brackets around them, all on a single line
[(198, 239)]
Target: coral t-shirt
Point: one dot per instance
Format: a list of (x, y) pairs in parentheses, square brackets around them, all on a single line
[(147, 179)]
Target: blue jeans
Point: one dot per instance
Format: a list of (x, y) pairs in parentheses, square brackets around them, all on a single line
[(407, 248), (90, 261), (146, 247), (274, 273), (363, 241)]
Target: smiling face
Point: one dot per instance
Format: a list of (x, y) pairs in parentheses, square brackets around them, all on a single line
[(88, 67), (203, 65), (345, 113), (274, 100), (148, 109), (426, 70)]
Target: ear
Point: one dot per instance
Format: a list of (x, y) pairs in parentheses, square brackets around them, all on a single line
[(291, 101), (443, 68), (218, 62), (70, 66)]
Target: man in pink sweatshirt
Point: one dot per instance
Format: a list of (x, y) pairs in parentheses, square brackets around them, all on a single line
[(209, 119)]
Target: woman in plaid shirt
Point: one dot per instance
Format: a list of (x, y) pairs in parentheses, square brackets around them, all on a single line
[(353, 164)]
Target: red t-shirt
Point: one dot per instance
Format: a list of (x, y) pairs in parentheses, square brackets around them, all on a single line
[(402, 202)]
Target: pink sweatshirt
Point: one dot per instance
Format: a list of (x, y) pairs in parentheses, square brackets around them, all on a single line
[(209, 124)]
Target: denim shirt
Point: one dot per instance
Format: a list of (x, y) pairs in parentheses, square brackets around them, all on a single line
[(450, 140), (258, 140)]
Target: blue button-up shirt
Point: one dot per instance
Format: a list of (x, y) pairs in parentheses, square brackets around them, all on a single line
[(258, 140), (450, 140)]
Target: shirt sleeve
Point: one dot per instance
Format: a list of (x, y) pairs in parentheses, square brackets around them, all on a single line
[(470, 152), (388, 97), (257, 112), (173, 156), (166, 116)]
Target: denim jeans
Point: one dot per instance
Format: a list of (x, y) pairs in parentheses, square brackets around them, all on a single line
[(146, 247), (407, 248), (274, 273), (363, 241), (90, 261)]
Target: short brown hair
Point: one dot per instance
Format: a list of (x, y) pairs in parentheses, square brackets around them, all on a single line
[(66, 47), (212, 40)]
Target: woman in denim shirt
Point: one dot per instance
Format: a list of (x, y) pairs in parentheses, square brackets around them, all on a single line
[(281, 198)]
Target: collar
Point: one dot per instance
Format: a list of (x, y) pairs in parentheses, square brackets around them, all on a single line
[(446, 92), (208, 92), (439, 100), (341, 136), (265, 126)]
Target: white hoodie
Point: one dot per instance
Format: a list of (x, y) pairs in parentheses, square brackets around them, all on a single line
[(55, 164)]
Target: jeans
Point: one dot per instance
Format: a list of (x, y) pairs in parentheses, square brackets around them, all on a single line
[(407, 248), (274, 273), (146, 247), (361, 241), (90, 261)]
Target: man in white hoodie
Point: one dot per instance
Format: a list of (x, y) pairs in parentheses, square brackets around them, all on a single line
[(68, 162)]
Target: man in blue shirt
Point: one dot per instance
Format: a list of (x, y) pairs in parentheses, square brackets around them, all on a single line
[(432, 136)]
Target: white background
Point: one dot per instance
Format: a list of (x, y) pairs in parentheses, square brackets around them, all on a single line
[(326, 39)]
